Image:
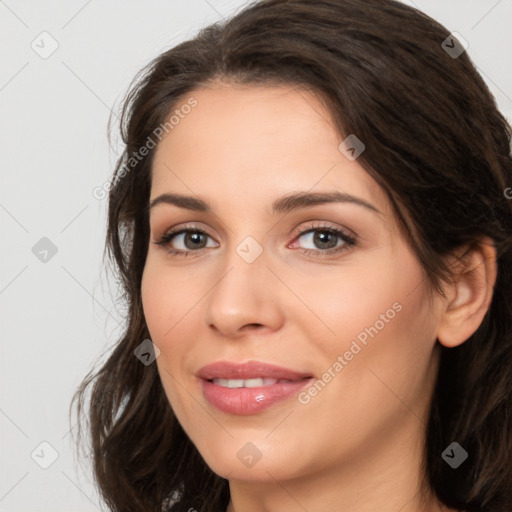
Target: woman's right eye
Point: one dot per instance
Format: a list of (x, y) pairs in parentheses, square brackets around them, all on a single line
[(193, 239)]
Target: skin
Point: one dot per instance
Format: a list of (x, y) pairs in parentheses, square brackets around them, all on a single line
[(357, 445)]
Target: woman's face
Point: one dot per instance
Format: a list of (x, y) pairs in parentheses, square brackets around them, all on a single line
[(284, 288)]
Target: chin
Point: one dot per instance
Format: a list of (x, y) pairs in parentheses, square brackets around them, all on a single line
[(247, 462)]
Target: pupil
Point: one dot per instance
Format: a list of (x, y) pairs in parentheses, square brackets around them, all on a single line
[(195, 237), (322, 234)]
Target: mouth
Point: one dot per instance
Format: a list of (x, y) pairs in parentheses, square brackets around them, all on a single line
[(250, 387), (250, 372), (257, 382)]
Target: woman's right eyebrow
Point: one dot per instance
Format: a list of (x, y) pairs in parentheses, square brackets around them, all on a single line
[(283, 204)]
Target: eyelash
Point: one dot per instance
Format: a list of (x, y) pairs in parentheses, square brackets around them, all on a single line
[(349, 241)]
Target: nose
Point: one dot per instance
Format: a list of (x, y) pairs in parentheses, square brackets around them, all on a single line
[(244, 299)]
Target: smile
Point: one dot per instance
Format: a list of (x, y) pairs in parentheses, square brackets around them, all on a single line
[(249, 387), (248, 383)]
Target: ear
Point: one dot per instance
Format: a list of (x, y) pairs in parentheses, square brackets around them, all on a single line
[(468, 298)]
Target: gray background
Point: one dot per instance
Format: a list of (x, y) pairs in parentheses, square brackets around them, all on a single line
[(58, 316)]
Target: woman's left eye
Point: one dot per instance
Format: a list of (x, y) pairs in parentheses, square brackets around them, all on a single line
[(330, 240)]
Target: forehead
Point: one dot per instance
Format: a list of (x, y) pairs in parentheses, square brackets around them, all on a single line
[(243, 142)]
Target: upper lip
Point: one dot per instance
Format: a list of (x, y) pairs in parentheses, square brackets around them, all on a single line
[(248, 370)]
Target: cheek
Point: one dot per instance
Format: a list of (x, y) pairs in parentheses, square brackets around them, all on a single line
[(162, 298), (390, 336), (379, 319), (162, 294), (168, 300), (362, 303)]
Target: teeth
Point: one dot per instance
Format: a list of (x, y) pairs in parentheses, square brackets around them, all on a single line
[(247, 383)]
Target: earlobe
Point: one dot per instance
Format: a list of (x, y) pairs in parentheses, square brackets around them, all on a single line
[(469, 296)]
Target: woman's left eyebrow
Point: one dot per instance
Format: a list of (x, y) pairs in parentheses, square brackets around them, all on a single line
[(283, 204)]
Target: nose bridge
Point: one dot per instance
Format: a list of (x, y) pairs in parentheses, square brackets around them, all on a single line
[(243, 294), (245, 267)]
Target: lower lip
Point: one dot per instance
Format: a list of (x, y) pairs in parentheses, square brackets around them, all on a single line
[(250, 400)]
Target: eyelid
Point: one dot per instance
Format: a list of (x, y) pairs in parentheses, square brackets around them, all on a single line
[(192, 226), (311, 224), (322, 224)]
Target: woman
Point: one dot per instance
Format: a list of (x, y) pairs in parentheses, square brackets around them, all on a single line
[(310, 225)]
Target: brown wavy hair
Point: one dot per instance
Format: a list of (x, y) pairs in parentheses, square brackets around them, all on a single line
[(436, 144)]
